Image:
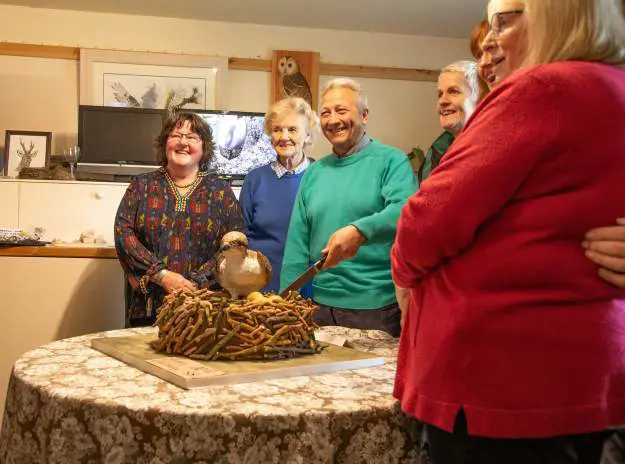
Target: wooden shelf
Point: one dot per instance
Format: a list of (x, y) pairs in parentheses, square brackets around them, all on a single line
[(59, 252)]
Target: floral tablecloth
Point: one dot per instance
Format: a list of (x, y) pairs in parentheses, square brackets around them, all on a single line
[(68, 403)]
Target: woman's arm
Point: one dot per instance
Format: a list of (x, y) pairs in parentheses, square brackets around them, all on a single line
[(139, 263), (513, 129)]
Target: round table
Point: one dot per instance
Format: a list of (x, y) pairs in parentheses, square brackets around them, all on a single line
[(68, 403)]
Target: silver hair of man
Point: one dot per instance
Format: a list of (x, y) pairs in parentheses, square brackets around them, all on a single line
[(346, 83), (469, 70)]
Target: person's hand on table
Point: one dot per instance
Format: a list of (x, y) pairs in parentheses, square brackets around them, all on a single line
[(605, 246), (343, 244)]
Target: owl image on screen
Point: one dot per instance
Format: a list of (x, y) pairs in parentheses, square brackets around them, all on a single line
[(240, 143)]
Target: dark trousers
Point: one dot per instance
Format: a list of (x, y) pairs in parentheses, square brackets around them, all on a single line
[(460, 448), (386, 318)]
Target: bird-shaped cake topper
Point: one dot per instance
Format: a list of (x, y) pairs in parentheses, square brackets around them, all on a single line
[(239, 270), (293, 82)]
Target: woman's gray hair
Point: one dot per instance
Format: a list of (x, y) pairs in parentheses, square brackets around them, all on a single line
[(346, 83), (469, 70), (293, 105)]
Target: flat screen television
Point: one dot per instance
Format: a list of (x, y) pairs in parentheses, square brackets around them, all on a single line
[(117, 140), (240, 142)]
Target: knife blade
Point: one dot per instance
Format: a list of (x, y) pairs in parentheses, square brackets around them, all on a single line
[(305, 277)]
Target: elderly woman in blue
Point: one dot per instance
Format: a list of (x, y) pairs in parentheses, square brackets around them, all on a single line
[(268, 192)]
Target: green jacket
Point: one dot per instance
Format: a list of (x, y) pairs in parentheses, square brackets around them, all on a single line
[(434, 155)]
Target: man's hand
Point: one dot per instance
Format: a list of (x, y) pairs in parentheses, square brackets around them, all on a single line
[(173, 281), (343, 244), (605, 246)]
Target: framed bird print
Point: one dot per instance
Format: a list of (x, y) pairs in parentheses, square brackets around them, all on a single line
[(152, 80), (295, 74)]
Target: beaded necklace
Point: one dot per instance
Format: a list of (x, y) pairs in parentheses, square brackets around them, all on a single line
[(181, 199)]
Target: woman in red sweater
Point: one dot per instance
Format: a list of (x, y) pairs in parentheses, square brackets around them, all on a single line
[(512, 350)]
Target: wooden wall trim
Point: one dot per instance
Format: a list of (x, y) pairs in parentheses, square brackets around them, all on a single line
[(348, 70), (241, 64), (249, 64), (40, 51), (379, 72)]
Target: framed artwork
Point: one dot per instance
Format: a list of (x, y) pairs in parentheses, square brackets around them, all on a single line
[(152, 80), (295, 74), (26, 149)]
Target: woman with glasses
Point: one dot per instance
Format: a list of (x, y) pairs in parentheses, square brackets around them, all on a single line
[(170, 221), (512, 350)]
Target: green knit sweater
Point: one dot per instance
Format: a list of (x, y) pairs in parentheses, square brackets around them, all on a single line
[(366, 189)]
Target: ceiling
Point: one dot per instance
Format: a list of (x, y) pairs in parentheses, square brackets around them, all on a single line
[(441, 18)]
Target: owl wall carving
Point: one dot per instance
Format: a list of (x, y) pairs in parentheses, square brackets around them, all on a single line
[(292, 81)]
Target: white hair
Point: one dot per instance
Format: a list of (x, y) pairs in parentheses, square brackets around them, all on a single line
[(346, 83), (295, 105), (469, 70)]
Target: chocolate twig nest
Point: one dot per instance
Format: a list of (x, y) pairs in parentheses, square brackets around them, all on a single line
[(208, 325)]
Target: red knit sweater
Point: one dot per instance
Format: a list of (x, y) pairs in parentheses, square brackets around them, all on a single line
[(508, 319)]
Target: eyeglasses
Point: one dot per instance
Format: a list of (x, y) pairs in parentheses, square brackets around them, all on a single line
[(502, 21), (191, 138)]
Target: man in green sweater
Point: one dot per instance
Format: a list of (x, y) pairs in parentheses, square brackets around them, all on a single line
[(347, 209)]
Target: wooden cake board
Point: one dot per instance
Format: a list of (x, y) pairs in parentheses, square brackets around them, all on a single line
[(190, 373)]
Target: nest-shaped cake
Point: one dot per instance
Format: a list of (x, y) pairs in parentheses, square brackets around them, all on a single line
[(209, 325)]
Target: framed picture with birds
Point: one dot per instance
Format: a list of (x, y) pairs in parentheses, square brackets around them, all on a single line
[(152, 80), (295, 74)]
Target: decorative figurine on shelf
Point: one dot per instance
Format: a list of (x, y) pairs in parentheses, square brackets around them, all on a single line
[(238, 270)]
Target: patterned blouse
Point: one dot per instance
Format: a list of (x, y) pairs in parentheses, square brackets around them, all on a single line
[(157, 228)]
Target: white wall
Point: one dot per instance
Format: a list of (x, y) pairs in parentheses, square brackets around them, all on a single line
[(47, 299), (42, 94)]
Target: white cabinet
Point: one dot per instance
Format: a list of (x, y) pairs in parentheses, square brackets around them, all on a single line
[(63, 209), (9, 193), (66, 209)]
